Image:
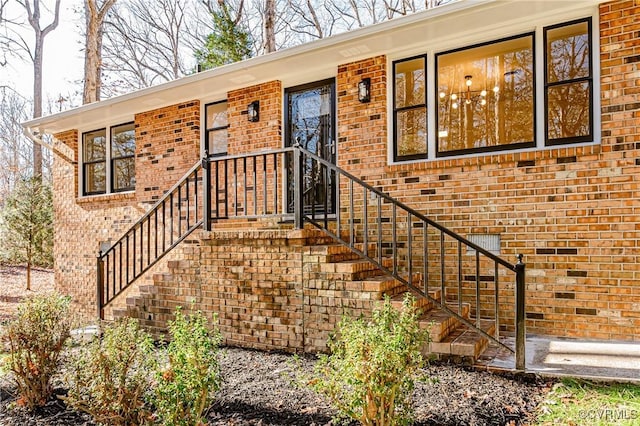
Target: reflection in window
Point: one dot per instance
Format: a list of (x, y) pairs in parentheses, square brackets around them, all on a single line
[(486, 97), (568, 82), (123, 147), (410, 109), (217, 125), (94, 161)]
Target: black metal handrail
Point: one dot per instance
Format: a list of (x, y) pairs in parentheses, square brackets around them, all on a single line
[(168, 222), (414, 242), (424, 254)]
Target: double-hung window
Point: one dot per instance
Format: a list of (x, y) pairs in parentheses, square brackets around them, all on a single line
[(217, 125), (410, 108), (108, 163), (568, 83)]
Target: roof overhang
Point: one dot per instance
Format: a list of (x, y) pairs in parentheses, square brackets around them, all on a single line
[(464, 20)]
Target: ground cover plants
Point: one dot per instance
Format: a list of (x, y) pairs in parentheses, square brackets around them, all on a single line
[(256, 388)]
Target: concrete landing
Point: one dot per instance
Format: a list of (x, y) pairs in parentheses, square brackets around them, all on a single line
[(559, 357)]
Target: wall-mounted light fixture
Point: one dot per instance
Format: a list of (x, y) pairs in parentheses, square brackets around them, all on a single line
[(364, 90), (253, 111)]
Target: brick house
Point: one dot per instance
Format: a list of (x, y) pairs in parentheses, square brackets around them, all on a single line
[(437, 147)]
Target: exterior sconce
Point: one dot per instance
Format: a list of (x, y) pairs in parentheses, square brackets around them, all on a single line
[(253, 111), (364, 90)]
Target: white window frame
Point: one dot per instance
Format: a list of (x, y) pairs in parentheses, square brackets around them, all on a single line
[(108, 161), (490, 35)]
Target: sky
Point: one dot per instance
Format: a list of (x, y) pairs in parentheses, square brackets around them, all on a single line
[(63, 56)]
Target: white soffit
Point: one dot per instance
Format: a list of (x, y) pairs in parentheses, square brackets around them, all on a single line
[(459, 22)]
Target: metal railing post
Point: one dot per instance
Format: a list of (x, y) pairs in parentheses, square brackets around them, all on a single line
[(298, 188), (520, 315), (206, 194), (100, 285)]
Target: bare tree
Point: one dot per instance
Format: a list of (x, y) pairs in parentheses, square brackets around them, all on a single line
[(14, 42), (94, 17), (148, 43), (15, 148)]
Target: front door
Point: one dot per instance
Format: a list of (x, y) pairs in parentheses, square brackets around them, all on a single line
[(309, 122)]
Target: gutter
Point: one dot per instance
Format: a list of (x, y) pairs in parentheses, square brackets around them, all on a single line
[(35, 138)]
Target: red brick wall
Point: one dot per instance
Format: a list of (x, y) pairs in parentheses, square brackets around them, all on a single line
[(167, 138), (572, 211), (167, 145), (245, 136)]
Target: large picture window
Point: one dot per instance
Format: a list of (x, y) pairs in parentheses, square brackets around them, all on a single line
[(486, 97), (108, 160), (568, 83), (410, 108), (217, 125)]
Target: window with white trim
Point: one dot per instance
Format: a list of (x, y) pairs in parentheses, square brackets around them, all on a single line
[(108, 164), (485, 97), (217, 128), (568, 83)]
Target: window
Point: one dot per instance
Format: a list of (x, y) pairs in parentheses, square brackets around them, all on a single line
[(485, 97), (568, 83), (118, 153), (217, 125), (123, 148), (410, 109), (94, 151)]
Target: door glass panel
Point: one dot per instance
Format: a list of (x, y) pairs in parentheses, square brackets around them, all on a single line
[(310, 124)]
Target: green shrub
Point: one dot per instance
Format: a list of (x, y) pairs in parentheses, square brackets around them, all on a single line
[(186, 386), (35, 340), (110, 377), (370, 373)]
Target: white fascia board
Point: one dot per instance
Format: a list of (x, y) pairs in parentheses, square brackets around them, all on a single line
[(307, 62)]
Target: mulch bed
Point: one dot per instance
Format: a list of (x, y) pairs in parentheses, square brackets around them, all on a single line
[(259, 389)]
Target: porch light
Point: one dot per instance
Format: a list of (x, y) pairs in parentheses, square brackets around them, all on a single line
[(253, 111), (364, 90)]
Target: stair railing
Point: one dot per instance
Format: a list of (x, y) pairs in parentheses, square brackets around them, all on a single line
[(168, 222), (425, 255)]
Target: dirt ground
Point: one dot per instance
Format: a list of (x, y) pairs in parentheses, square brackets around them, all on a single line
[(259, 389), (13, 283)]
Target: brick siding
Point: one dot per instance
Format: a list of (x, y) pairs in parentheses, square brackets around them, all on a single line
[(572, 211)]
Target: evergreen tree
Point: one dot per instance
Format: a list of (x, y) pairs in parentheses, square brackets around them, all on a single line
[(27, 225), (227, 44)]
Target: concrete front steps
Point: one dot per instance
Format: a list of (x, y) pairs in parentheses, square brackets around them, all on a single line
[(450, 338)]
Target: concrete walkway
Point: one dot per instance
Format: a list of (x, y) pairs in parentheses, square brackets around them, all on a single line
[(558, 357)]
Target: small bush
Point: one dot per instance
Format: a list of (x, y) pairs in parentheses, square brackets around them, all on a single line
[(110, 377), (370, 373), (35, 340), (186, 387)]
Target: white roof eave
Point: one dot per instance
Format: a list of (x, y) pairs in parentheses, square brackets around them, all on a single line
[(320, 59)]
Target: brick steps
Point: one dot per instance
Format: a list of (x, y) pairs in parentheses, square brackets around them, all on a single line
[(449, 336), (340, 267), (463, 342)]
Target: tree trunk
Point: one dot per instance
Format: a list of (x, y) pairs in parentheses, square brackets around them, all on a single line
[(94, 19), (29, 275), (37, 99), (269, 26), (91, 92)]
